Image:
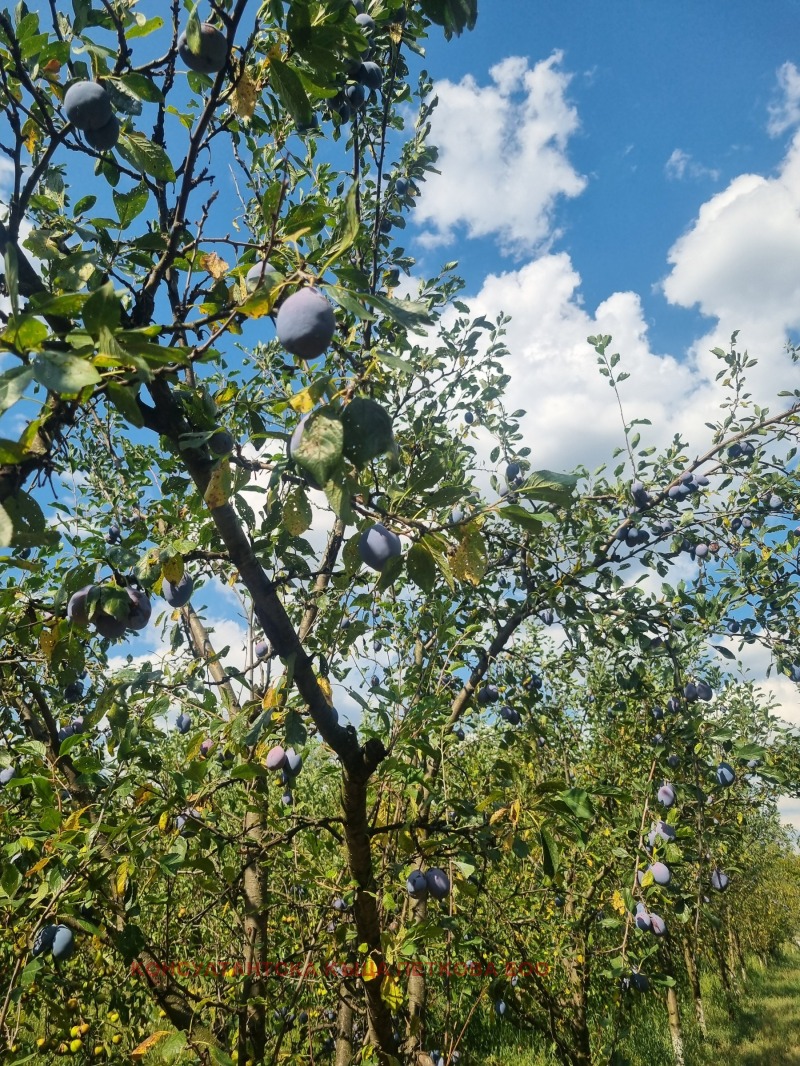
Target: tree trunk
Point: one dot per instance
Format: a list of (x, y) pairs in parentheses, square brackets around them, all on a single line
[(673, 1013), (724, 975), (694, 985), (344, 1033), (415, 1031)]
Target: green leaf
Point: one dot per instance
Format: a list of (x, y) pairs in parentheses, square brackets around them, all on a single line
[(579, 802), (145, 156), (550, 855), (454, 16), (726, 653), (297, 514), (367, 431), (522, 517), (103, 308), (13, 384), (412, 315), (141, 87), (350, 231), (63, 374), (320, 449), (421, 567), (130, 205), (289, 89), (123, 397), (23, 333), (22, 523), (550, 486)]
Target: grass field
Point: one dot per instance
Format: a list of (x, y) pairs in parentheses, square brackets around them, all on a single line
[(765, 1030)]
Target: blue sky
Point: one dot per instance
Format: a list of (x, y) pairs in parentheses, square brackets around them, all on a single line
[(688, 82)]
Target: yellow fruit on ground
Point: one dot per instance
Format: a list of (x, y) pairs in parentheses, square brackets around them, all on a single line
[(84, 1028), (75, 1030), (113, 1016), (116, 1039), (62, 1049), (234, 1056), (72, 1003), (162, 1014), (99, 1050), (75, 1045), (41, 1042)]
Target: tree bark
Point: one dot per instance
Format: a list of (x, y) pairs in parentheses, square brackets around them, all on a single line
[(694, 985), (344, 1033)]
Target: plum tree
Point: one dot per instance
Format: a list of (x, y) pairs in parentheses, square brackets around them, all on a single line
[(305, 323), (209, 54)]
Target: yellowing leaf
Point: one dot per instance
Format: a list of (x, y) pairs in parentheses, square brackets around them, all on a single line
[(470, 560), (244, 96), (148, 1043), (391, 993), (327, 691), (514, 812), (163, 822), (270, 700), (218, 491), (617, 902), (37, 866), (498, 815), (73, 822), (214, 265), (47, 641), (32, 135), (173, 569), (121, 880), (369, 970), (302, 401)]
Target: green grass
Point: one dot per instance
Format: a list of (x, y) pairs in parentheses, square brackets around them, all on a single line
[(765, 1030)]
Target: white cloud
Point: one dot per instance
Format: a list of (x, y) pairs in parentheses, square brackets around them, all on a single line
[(785, 111), (572, 417), (502, 155), (680, 165), (737, 263)]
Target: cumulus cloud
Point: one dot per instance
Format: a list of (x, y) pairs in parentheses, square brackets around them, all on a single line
[(737, 263), (784, 112), (502, 155), (572, 418), (680, 165)]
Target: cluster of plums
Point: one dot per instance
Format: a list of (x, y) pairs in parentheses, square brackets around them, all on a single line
[(138, 613), (87, 106), (433, 882), (108, 625), (290, 764)]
